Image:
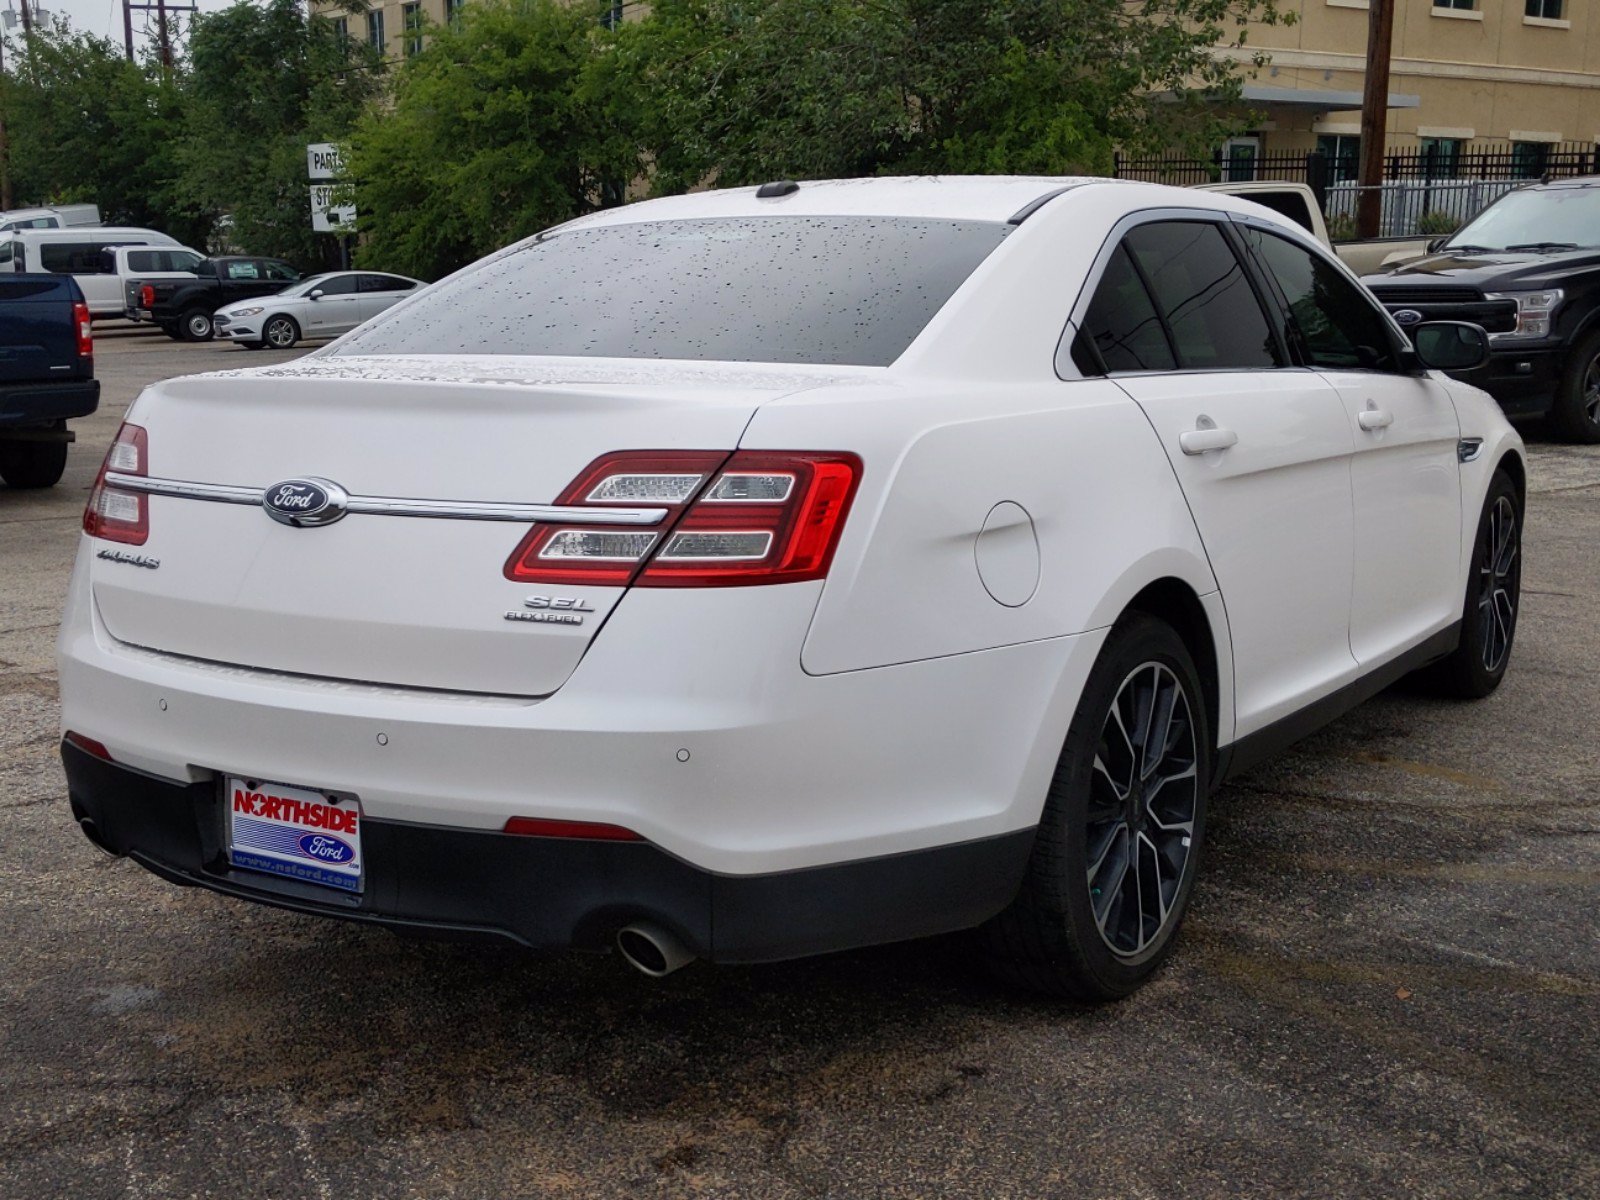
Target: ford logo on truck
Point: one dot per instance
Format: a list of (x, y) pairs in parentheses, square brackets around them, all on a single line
[(305, 502)]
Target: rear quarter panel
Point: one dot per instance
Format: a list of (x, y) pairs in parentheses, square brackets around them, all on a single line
[(1079, 458)]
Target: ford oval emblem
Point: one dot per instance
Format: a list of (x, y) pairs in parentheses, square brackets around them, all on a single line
[(1407, 317), (305, 502), (324, 847)]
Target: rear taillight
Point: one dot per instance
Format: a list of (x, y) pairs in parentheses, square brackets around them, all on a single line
[(114, 513), (80, 318), (147, 296), (757, 516), (611, 554)]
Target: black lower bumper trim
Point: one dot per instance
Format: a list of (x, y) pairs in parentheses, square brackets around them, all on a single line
[(41, 403), (558, 892)]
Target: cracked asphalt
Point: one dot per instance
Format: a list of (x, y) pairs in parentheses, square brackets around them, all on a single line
[(1389, 984)]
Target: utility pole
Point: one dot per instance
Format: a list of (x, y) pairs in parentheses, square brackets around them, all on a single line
[(127, 28), (1375, 117), (166, 41), (5, 145)]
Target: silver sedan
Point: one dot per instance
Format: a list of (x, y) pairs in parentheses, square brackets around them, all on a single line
[(320, 306)]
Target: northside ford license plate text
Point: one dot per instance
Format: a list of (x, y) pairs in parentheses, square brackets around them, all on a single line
[(295, 833)]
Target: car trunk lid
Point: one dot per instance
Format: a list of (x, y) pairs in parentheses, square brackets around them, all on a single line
[(397, 600)]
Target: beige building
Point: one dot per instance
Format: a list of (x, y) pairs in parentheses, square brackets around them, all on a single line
[(393, 26), (1523, 75)]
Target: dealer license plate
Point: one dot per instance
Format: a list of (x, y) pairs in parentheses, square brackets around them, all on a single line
[(295, 833)]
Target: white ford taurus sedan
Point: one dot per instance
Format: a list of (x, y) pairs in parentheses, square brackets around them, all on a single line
[(768, 571)]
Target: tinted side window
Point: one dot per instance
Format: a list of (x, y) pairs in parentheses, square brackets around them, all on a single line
[(74, 258), (339, 285), (1122, 324), (145, 260), (384, 283), (179, 260), (278, 270), (1331, 321), (1200, 288)]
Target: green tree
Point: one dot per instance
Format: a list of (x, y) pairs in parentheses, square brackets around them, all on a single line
[(496, 130), (745, 90), (263, 80), (85, 125)]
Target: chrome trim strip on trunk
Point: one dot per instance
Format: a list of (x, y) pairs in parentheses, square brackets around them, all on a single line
[(394, 506)]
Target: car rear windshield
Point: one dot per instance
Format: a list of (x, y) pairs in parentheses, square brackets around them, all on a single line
[(844, 290)]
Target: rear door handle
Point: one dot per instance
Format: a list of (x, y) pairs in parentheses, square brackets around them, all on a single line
[(1374, 418), (1198, 441)]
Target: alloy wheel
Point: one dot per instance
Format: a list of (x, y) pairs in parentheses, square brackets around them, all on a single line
[(1143, 797), (199, 327), (1591, 391), (279, 333), (1499, 565)]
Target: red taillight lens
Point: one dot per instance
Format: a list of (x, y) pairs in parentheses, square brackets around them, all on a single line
[(80, 318), (88, 745), (768, 517), (589, 830), (147, 296), (113, 513), (756, 516), (611, 554)]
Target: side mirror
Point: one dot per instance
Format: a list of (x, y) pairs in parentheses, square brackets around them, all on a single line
[(316, 294), (1450, 345), (1435, 243)]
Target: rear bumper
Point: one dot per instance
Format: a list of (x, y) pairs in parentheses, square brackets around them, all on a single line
[(688, 720), (553, 892), (40, 403)]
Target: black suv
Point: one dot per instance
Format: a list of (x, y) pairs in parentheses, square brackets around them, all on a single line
[(1527, 269)]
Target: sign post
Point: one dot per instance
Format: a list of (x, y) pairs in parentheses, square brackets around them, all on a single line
[(324, 165)]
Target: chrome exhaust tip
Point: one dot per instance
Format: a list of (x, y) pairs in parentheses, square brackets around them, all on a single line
[(648, 948)]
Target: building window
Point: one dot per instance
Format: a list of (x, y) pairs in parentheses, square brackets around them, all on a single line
[(375, 37), (1441, 157), (1463, 4), (611, 13), (1550, 10), (341, 33), (1343, 153), (411, 19), (452, 11), (1528, 159)]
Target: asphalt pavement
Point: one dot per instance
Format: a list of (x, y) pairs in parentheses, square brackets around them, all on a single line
[(1389, 984)]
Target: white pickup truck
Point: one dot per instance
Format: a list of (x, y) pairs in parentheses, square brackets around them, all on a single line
[(1299, 203)]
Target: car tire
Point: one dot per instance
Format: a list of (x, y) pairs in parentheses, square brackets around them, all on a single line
[(172, 331), (1575, 416), (33, 464), (196, 326), (1494, 597), (280, 332), (1076, 930)]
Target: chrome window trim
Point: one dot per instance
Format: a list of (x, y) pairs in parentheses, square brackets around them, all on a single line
[(396, 506)]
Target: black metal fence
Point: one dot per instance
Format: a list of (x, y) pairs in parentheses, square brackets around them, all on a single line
[(1432, 189)]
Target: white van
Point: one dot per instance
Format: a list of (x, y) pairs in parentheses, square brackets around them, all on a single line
[(80, 253), (59, 216)]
